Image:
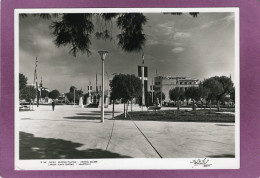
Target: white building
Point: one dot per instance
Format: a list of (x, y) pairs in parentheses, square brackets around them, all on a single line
[(166, 83)]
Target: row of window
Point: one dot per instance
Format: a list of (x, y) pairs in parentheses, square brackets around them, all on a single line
[(181, 83), (185, 83), (159, 88)]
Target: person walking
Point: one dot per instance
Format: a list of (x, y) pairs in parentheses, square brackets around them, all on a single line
[(53, 105)]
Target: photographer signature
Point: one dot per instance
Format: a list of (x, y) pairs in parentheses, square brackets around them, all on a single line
[(200, 162)]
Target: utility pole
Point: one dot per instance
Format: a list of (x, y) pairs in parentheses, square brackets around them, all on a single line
[(74, 97), (152, 91), (161, 91), (96, 83), (35, 82)]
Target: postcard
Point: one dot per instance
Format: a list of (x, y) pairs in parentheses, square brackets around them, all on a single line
[(127, 88)]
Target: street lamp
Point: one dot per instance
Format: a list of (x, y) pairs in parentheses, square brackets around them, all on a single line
[(74, 98), (103, 56)]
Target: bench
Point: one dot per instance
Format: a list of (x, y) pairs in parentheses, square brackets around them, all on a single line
[(24, 107)]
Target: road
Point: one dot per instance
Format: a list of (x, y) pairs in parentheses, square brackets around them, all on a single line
[(72, 132)]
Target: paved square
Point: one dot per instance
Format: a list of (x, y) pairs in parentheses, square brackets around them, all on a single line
[(71, 132)]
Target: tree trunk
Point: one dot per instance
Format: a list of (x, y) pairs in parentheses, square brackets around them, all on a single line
[(131, 105), (37, 98), (113, 109), (193, 108), (124, 110), (178, 105), (218, 106), (127, 104), (210, 105)]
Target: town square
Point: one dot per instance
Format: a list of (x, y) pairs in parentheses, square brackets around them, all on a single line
[(127, 85)]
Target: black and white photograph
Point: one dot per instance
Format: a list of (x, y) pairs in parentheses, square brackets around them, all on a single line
[(127, 88)]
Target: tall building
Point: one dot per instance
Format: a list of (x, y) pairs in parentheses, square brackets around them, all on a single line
[(166, 83), (143, 75)]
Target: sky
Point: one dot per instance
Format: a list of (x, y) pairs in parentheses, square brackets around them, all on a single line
[(180, 46)]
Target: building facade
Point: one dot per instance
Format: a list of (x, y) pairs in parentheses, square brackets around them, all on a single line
[(166, 83)]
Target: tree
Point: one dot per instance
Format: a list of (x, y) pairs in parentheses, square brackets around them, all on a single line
[(177, 94), (22, 81), (76, 29), (219, 87), (54, 94), (70, 94), (158, 96), (28, 93), (125, 87), (196, 94), (44, 93), (232, 94)]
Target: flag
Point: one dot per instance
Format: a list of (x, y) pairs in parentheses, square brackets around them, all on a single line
[(143, 58)]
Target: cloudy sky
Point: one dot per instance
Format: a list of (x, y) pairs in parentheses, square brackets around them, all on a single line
[(176, 45)]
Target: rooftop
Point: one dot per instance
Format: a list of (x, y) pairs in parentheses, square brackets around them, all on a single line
[(177, 78)]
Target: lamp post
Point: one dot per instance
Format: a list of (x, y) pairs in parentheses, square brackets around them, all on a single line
[(103, 56), (74, 98)]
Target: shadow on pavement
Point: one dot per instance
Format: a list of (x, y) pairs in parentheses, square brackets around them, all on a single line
[(224, 125), (59, 120), (222, 156), (105, 112), (91, 114), (48, 148), (83, 117)]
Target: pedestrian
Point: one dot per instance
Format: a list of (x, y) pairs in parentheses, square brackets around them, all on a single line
[(53, 105)]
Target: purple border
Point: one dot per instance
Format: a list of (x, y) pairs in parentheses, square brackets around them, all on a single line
[(250, 87)]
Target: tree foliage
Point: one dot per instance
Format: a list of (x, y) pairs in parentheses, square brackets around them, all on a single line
[(125, 87), (193, 93), (218, 86), (232, 94), (131, 37), (44, 93), (22, 81), (54, 94), (28, 93), (177, 94), (75, 30), (70, 94)]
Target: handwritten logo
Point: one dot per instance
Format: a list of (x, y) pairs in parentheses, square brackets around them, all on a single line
[(200, 163)]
